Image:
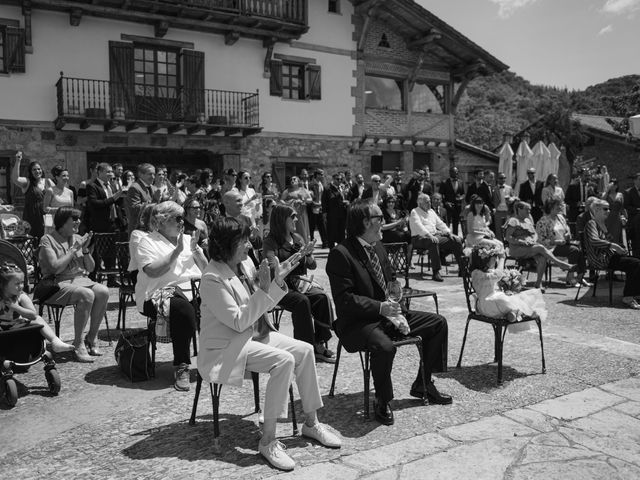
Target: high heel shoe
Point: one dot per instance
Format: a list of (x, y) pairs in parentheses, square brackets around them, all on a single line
[(92, 349)]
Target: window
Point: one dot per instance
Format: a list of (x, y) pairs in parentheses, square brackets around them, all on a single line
[(12, 51), (334, 6), (386, 93), (295, 80), (384, 41), (156, 72), (424, 98)]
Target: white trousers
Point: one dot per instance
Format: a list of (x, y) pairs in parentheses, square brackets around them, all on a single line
[(283, 357)]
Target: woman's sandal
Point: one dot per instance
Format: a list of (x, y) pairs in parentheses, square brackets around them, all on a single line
[(92, 349), (631, 303)]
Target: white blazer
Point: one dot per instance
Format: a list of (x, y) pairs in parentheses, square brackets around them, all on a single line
[(228, 316)]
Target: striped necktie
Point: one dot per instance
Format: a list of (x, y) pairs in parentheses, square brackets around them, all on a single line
[(377, 268)]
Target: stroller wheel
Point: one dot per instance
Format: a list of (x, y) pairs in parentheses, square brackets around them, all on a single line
[(11, 392), (53, 380)]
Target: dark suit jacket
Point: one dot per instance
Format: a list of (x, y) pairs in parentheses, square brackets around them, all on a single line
[(449, 193), (99, 208), (534, 198), (355, 291), (632, 201), (482, 191), (333, 205), (137, 197), (354, 192), (368, 193)]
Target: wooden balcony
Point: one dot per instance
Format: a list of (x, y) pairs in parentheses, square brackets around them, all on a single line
[(273, 20), (84, 104)]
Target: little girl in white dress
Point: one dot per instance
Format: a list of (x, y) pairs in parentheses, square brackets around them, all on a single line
[(492, 301)]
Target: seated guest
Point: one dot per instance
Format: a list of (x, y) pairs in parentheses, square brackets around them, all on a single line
[(395, 227), (438, 207), (520, 233), (617, 219), (236, 335), (141, 231), (193, 223), (478, 232), (431, 234), (65, 257), (553, 232), (358, 271), (604, 253), (168, 260), (309, 305)]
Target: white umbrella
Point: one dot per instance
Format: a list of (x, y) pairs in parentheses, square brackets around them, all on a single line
[(506, 162), (541, 160), (523, 160), (554, 158)]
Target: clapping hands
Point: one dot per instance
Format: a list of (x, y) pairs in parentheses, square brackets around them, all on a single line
[(280, 271)]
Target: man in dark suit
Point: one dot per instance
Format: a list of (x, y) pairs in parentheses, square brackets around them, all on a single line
[(316, 219), (531, 192), (334, 210), (102, 213), (632, 205), (452, 190), (480, 188), (577, 193), (139, 194), (358, 271), (356, 192)]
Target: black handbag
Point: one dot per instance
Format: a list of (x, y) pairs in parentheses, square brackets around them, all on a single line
[(132, 355), (45, 288)]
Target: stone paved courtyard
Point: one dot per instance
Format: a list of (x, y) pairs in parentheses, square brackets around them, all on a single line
[(579, 420)]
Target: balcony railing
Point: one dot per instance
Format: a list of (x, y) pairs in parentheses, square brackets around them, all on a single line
[(289, 10), (101, 100)]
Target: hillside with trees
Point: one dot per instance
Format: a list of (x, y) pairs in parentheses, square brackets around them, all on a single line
[(492, 106)]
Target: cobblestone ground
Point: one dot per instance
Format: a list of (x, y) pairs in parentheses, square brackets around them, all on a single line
[(535, 425)]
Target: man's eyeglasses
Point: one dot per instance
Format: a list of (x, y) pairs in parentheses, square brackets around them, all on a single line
[(376, 181), (606, 209), (379, 217), (196, 207)]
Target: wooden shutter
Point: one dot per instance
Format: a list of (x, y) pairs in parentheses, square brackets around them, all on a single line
[(314, 92), (275, 81), (14, 50), (376, 163), (193, 84), (122, 78)]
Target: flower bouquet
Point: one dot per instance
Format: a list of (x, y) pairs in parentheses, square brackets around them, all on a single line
[(511, 281)]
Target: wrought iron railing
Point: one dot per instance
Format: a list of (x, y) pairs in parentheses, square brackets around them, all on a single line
[(289, 10), (101, 99)]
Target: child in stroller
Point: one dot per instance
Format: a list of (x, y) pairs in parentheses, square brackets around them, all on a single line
[(17, 310)]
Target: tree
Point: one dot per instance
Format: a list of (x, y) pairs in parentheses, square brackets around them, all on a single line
[(625, 105)]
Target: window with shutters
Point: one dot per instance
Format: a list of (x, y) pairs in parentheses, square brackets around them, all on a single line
[(295, 80), (156, 72), (2, 50), (334, 6), (12, 51)]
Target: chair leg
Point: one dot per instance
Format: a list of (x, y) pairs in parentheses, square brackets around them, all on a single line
[(192, 420), (611, 275), (575, 300), (435, 299), (367, 376), (500, 333), (422, 370), (464, 340), (293, 411), (335, 370), (215, 400), (120, 310), (544, 365), (496, 343), (255, 378), (595, 285), (106, 321)]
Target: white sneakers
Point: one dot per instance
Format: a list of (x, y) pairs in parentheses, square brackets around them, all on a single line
[(322, 434), (275, 453)]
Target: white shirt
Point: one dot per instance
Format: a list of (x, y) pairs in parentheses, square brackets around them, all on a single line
[(424, 223), (153, 247), (505, 192)]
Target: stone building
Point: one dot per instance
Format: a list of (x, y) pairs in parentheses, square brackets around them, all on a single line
[(258, 85)]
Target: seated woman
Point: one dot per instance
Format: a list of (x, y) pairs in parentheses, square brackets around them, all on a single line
[(492, 301), (236, 335), (478, 231), (520, 233), (298, 197), (142, 230), (309, 305), (553, 232), (65, 259), (193, 222), (168, 261), (17, 310), (603, 253)]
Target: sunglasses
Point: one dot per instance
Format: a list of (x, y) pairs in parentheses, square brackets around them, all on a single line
[(294, 216), (376, 181), (246, 178), (379, 217), (179, 219), (195, 208), (75, 218)]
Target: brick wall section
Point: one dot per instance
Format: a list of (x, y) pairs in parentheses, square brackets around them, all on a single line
[(389, 122), (398, 48)]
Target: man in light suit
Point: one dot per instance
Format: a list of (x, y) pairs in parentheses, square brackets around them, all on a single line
[(139, 194), (358, 270), (502, 194)]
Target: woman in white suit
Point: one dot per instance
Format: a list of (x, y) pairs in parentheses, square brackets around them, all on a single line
[(236, 335)]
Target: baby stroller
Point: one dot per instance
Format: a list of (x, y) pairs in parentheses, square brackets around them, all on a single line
[(22, 347)]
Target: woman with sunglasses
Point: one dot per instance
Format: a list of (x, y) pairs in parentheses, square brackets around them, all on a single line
[(168, 261), (309, 305), (65, 259), (298, 198), (194, 223), (251, 201)]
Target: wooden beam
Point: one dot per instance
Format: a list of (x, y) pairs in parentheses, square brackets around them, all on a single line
[(132, 126), (428, 39), (231, 37), (75, 16), (160, 28), (371, 11), (231, 131), (175, 128), (111, 125), (267, 56), (60, 123), (212, 130), (85, 124), (194, 129), (153, 128), (414, 73), (26, 12), (458, 94)]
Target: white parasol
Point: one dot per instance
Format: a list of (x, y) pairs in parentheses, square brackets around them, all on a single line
[(506, 162), (541, 160), (524, 156), (554, 158)]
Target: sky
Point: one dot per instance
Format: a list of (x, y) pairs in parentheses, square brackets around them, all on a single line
[(562, 43)]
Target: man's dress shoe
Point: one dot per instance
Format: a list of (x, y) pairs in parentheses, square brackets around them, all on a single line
[(437, 278), (383, 412), (433, 395)]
